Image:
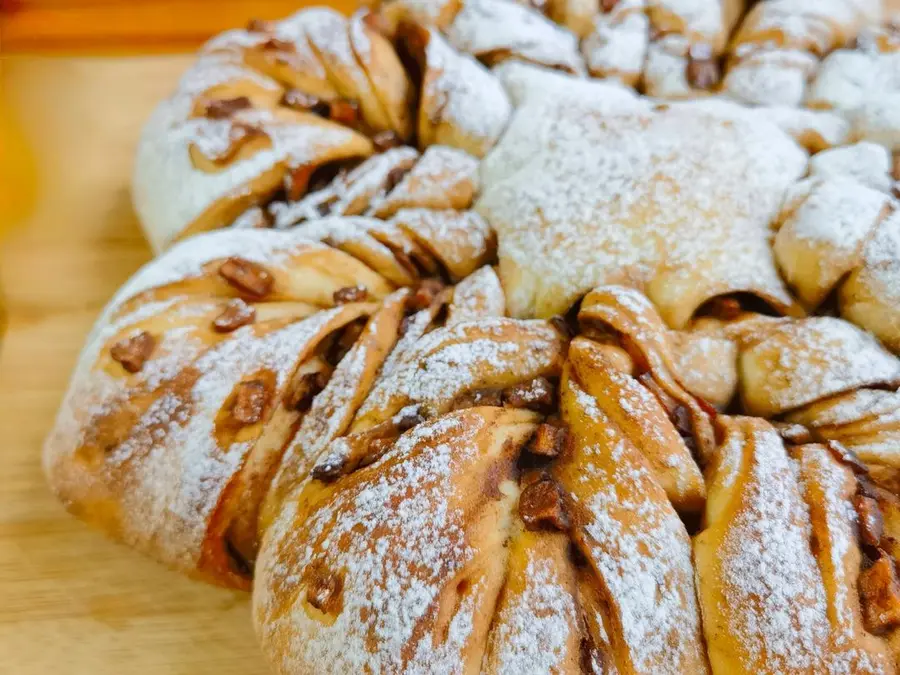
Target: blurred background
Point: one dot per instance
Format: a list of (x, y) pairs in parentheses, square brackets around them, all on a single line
[(55, 26)]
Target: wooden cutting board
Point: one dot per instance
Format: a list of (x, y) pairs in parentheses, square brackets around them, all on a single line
[(71, 602)]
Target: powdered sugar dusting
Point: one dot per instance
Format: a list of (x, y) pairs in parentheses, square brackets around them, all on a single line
[(478, 296), (495, 28), (638, 546), (443, 178), (399, 536), (461, 99), (801, 362), (455, 359), (774, 603), (347, 195), (677, 203), (534, 630), (461, 241)]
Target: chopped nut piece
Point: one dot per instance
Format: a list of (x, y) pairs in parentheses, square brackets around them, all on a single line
[(347, 453), (479, 397), (724, 308), (608, 5), (222, 108), (678, 413), (549, 440), (540, 506), (703, 70), (237, 313), (345, 341), (593, 660), (538, 394), (344, 112), (303, 102), (408, 418), (394, 177), (300, 396), (426, 293), (895, 168), (871, 523), (133, 352), (324, 589), (251, 279), (879, 594), (406, 323), (250, 401), (350, 294), (385, 140), (846, 456), (338, 458)]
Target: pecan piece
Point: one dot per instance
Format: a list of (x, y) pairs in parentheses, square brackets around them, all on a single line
[(677, 413), (250, 278), (385, 140), (549, 440), (538, 394), (223, 108), (324, 589), (394, 177), (424, 294), (703, 71), (541, 506), (479, 397), (344, 112), (347, 454), (133, 352), (305, 387), (724, 308), (608, 5), (250, 401), (871, 523), (303, 102), (236, 313), (350, 294), (895, 167), (593, 660), (879, 593)]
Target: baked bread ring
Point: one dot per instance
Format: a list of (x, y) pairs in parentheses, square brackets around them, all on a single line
[(587, 382)]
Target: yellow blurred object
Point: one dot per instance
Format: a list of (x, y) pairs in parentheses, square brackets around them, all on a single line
[(18, 180), (132, 27)]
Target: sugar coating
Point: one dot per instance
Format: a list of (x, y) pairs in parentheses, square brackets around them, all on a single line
[(399, 536), (676, 202)]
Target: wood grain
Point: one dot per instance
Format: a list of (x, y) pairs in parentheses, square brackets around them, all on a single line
[(70, 601), (133, 25)]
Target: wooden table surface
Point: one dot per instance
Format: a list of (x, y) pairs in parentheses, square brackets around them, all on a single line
[(71, 602)]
